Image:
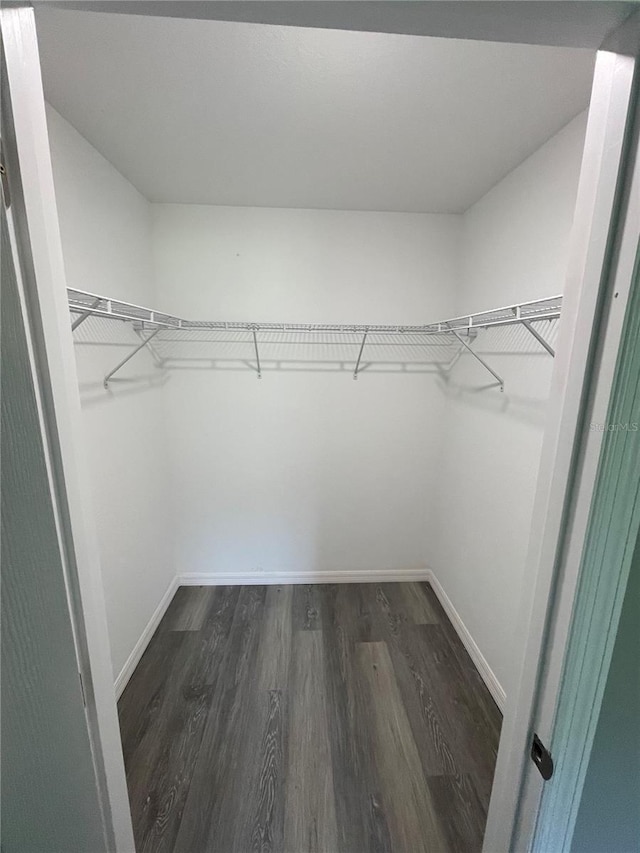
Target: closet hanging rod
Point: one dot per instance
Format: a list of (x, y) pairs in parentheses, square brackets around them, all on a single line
[(91, 304)]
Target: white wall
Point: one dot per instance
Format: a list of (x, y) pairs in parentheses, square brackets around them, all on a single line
[(303, 471), (106, 236), (207, 471), (515, 244)]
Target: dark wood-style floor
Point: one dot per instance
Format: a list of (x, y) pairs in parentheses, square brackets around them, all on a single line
[(297, 719)]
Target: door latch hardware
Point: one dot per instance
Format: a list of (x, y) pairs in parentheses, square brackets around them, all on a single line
[(541, 757)]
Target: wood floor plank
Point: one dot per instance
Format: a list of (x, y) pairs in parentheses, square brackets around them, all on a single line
[(309, 819), (208, 661), (392, 618), (179, 603), (419, 692), (170, 750), (470, 675), (172, 773), (406, 799), (265, 803), (341, 718), (213, 794), (142, 748), (403, 604), (424, 711), (188, 608), (461, 812), (355, 611), (472, 740), (274, 654), (142, 697), (260, 762), (149, 768), (361, 823), (417, 605), (306, 607)]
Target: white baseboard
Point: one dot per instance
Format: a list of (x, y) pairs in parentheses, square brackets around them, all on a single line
[(327, 576), (479, 660), (138, 650)]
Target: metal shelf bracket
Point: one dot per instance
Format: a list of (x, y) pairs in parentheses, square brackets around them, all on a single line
[(357, 367), (536, 334), (480, 359), (85, 314), (129, 357), (255, 346)]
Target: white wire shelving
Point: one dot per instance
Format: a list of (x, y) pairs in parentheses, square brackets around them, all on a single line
[(457, 334)]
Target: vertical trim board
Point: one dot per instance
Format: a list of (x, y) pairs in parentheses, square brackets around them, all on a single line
[(517, 788), (613, 529)]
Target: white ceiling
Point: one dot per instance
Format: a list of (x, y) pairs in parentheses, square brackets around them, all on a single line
[(209, 112)]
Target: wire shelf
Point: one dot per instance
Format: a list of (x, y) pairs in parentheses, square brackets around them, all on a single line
[(82, 302), (92, 305), (175, 337), (540, 309)]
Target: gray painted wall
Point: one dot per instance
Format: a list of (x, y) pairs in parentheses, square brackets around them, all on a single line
[(609, 815), (49, 789)]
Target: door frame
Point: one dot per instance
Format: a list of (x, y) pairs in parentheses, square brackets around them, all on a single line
[(36, 234), (590, 336), (588, 329), (612, 510)]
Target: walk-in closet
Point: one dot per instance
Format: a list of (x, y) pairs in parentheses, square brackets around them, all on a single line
[(315, 285)]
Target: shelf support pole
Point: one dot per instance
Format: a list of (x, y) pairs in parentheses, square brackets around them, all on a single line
[(536, 334), (85, 314), (357, 368), (255, 346), (480, 359), (130, 356)]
